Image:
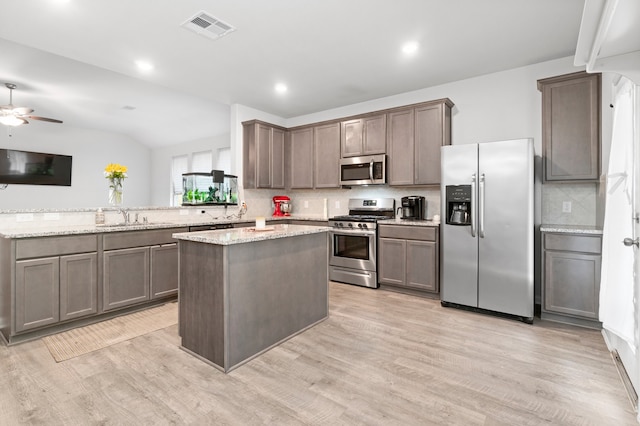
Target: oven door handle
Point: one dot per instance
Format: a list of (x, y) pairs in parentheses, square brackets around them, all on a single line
[(353, 232)]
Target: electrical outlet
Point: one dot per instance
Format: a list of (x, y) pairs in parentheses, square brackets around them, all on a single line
[(566, 207), (337, 204), (306, 204)]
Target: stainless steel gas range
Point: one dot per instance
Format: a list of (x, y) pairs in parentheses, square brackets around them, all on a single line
[(353, 239)]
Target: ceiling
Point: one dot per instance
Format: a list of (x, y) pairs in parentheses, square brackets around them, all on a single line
[(74, 60)]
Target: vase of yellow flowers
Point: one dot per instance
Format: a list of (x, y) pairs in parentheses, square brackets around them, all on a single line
[(115, 173)]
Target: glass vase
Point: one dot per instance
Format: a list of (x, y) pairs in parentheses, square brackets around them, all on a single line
[(115, 191)]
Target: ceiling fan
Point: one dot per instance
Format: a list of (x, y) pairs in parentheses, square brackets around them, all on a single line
[(15, 116)]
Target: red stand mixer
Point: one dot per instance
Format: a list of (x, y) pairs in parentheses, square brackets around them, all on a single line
[(282, 205)]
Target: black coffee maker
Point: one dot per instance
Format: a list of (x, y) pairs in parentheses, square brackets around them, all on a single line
[(413, 207)]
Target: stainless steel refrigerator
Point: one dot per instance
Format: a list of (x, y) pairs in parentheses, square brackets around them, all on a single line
[(487, 213)]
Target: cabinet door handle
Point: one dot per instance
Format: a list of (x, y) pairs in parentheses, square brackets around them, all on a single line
[(631, 242)]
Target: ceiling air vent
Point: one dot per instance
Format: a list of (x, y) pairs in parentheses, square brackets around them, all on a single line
[(205, 24)]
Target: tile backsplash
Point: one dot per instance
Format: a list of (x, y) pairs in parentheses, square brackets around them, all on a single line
[(570, 204)]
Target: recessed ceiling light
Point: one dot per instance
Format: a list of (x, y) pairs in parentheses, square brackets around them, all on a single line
[(144, 66), (410, 48), (281, 88)]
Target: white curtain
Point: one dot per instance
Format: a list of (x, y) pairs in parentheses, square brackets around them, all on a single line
[(617, 281)]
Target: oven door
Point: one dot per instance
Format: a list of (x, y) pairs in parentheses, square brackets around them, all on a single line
[(354, 249)]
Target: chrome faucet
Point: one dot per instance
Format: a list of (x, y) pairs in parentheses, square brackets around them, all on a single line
[(125, 215)]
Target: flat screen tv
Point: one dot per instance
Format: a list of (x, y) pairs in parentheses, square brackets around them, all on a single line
[(34, 168)]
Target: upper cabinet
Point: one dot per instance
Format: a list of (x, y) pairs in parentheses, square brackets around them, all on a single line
[(314, 157), (263, 155), (308, 157), (363, 136), (414, 137), (571, 127), (326, 166)]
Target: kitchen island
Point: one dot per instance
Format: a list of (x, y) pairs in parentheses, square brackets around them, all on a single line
[(244, 291)]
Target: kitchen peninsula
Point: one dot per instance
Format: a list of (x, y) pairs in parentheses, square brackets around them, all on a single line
[(243, 291)]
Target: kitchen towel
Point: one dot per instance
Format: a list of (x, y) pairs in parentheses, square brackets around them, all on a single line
[(617, 282)]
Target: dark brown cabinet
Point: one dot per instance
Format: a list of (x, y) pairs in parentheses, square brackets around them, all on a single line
[(363, 136), (408, 257), (571, 278), (414, 137), (263, 155), (571, 127)]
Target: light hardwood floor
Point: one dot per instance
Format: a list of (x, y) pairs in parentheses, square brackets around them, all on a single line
[(381, 358)]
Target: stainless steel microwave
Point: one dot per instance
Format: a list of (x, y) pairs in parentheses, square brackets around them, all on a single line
[(367, 170)]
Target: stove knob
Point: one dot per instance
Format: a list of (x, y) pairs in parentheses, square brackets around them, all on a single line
[(350, 225), (364, 226)]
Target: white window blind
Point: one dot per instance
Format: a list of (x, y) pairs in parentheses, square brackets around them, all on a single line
[(179, 165), (201, 162), (223, 161)]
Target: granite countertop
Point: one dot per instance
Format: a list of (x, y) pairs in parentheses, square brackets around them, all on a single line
[(40, 230), (227, 237), (571, 229)]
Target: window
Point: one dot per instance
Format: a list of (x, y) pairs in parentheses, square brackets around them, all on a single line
[(224, 160), (202, 162), (179, 165)]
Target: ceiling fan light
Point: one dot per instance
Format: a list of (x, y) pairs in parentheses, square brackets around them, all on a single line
[(12, 120)]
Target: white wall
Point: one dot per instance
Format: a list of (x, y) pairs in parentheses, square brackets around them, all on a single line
[(160, 184), (91, 150)]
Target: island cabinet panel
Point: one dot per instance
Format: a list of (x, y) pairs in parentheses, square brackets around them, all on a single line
[(364, 136), (571, 127), (326, 168), (571, 278), (202, 297), (164, 271), (263, 155), (409, 258), (125, 277), (301, 152), (37, 293), (239, 300)]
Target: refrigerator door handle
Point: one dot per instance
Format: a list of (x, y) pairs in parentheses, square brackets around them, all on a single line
[(473, 205), (481, 206)]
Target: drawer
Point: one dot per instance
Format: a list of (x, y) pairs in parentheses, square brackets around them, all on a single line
[(120, 240), (573, 242), (55, 246), (423, 233)]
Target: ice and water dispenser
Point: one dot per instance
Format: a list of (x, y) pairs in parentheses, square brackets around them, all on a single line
[(458, 199)]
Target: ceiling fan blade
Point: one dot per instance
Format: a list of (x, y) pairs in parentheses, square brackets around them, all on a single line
[(35, 117), (22, 110)]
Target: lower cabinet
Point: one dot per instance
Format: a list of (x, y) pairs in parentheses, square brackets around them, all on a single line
[(164, 271), (408, 257), (53, 289), (139, 266), (125, 277), (571, 278)]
